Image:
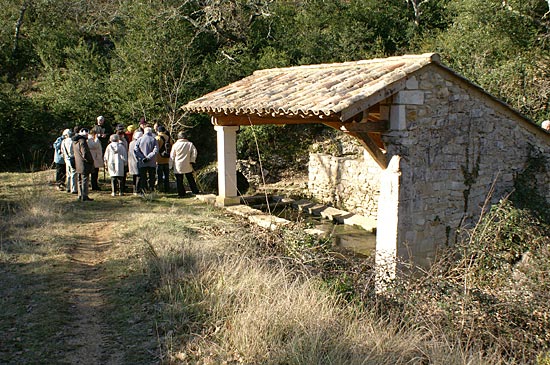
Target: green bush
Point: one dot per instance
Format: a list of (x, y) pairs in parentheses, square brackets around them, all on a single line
[(492, 288), (280, 147)]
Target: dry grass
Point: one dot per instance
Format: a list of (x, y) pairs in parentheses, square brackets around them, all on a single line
[(492, 289), (212, 289), (228, 303)]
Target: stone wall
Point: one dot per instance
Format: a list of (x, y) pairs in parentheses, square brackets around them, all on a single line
[(456, 145), (348, 182), (455, 151)]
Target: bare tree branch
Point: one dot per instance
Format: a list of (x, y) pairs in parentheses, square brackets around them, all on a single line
[(18, 24), (416, 4)]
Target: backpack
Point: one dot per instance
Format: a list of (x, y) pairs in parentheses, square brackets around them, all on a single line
[(165, 148)]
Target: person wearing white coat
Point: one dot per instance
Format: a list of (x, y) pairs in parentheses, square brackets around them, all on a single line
[(182, 156), (116, 157), (133, 167)]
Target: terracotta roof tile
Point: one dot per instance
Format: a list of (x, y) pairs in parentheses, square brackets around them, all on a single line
[(307, 91)]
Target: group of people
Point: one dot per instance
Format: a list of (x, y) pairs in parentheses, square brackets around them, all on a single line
[(147, 153)]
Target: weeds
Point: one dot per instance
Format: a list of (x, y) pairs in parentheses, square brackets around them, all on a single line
[(203, 287), (492, 288)]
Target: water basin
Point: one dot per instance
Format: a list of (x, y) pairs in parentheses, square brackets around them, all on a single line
[(345, 237)]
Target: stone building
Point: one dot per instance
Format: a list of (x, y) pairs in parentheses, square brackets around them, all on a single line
[(438, 149)]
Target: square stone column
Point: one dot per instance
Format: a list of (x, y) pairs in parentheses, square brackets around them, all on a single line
[(387, 232), (227, 165)]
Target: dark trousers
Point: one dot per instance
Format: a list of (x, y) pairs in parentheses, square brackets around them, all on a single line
[(190, 179), (117, 184), (94, 176), (123, 182), (163, 174), (60, 174), (83, 186), (147, 179)]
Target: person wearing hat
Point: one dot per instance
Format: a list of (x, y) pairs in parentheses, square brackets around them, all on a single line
[(116, 160), (130, 133), (68, 156), (145, 151), (84, 163), (142, 124), (120, 132), (182, 157)]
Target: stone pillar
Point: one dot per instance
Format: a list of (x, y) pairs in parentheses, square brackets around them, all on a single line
[(398, 106), (387, 254), (227, 165)]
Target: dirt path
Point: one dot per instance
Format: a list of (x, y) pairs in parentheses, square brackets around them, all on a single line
[(87, 334)]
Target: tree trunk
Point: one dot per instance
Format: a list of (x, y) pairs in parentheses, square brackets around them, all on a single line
[(18, 25)]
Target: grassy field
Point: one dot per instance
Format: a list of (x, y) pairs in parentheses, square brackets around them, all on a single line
[(128, 280)]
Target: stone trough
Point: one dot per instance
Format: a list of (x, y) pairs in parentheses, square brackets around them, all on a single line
[(348, 231)]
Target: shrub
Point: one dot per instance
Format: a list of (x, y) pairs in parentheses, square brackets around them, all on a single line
[(492, 288)]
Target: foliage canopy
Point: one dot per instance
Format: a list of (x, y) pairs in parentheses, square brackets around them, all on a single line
[(63, 63)]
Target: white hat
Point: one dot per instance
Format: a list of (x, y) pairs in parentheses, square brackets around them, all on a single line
[(546, 125), (100, 118)]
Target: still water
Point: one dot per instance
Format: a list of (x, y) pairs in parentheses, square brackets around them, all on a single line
[(344, 237)]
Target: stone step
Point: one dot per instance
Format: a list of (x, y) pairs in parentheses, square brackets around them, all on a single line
[(206, 198), (243, 210), (309, 207), (268, 221), (367, 223), (334, 214)]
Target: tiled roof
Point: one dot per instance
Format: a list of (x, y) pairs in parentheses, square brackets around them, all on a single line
[(325, 90)]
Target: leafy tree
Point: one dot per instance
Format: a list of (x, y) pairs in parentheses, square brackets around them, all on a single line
[(77, 92), (24, 143), (64, 62), (503, 47)]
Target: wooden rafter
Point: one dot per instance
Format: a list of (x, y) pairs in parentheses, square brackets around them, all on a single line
[(234, 120), (364, 126), (368, 134)]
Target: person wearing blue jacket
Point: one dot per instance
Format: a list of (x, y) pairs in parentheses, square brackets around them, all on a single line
[(59, 162), (145, 152)]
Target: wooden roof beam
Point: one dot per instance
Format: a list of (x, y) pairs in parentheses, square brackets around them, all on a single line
[(234, 120), (361, 132)]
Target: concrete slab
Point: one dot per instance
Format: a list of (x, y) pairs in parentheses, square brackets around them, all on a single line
[(302, 205), (268, 221), (333, 213), (243, 210), (367, 223), (358, 242), (206, 198), (317, 209), (283, 200), (316, 232), (253, 199)]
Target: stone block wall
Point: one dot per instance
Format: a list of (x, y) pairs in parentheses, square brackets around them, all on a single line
[(455, 151), (456, 144), (351, 183)]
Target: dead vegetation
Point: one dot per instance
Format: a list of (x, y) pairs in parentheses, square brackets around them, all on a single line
[(183, 282)]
